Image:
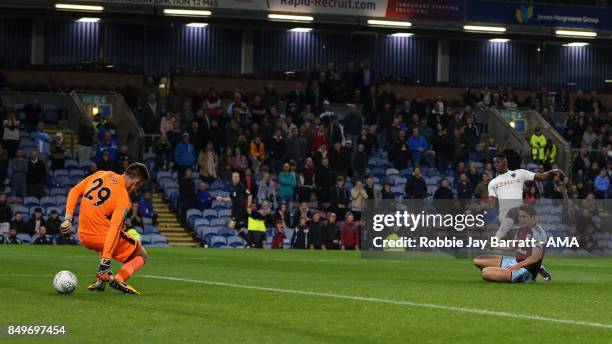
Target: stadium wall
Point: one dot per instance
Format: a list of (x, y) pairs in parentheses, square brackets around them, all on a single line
[(407, 58), (15, 42)]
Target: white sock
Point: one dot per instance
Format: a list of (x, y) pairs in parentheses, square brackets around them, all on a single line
[(505, 226)]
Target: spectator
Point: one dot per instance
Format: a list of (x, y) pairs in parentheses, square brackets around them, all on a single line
[(53, 224), (340, 198), (443, 192), (43, 238), (58, 152), (145, 207), (12, 238), (267, 190), (207, 163), (35, 222), (418, 147), (107, 145), (213, 103), (10, 137), (133, 217), (531, 195), (107, 125), (106, 164), (318, 138), (163, 152), (167, 123), (315, 236), (19, 223), (258, 154), (349, 234), (5, 213), (581, 163), (18, 170), (400, 151), (287, 182), (175, 135), (550, 154), (203, 198), (295, 146), (303, 211), (537, 143), (36, 176), (373, 191), (443, 146), (416, 188), (331, 237), (464, 188), (358, 198), (352, 123), (340, 160), (276, 151), (43, 140), (602, 184), (279, 235), (282, 214), (306, 180), (360, 162), (386, 192), (589, 138), (184, 154), (301, 233), (239, 161), (481, 190), (150, 115)]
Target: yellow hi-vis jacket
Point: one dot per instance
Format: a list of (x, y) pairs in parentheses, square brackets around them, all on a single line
[(551, 154), (537, 143), (256, 225)]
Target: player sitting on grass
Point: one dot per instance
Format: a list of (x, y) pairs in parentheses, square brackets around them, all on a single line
[(105, 204), (507, 190), (525, 266)]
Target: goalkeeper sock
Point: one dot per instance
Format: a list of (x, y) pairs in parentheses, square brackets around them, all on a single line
[(128, 269), (504, 228)]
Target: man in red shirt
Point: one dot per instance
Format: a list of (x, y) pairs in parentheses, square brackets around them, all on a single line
[(349, 233)]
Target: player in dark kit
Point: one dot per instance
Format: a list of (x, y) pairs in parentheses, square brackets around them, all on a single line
[(241, 199), (525, 266)]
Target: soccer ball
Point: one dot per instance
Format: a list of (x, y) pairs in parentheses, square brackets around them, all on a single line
[(65, 282)]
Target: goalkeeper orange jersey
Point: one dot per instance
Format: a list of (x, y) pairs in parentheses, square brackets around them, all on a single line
[(105, 203)]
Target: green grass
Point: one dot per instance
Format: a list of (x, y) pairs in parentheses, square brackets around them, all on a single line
[(170, 311)]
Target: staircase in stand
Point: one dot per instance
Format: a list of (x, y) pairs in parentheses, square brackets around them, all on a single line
[(169, 226)]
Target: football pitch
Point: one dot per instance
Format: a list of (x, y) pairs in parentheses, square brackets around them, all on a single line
[(292, 296)]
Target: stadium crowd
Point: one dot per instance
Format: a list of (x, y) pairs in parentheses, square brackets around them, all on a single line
[(305, 157)]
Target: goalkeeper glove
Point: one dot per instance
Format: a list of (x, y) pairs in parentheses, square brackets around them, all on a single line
[(104, 271), (66, 226)]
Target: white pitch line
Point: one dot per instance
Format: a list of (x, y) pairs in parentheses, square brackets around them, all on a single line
[(394, 302)]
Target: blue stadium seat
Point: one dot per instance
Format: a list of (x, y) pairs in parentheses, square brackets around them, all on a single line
[(145, 239), (236, 242), (48, 201), (31, 202), (218, 222), (149, 229), (58, 192), (209, 214), (226, 232), (218, 241), (225, 213), (197, 222), (25, 238), (158, 239)]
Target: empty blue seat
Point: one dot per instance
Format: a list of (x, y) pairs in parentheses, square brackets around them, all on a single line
[(31, 201), (225, 213), (209, 214), (226, 232), (236, 241), (47, 202), (158, 239), (197, 222), (149, 229), (218, 241), (25, 238)]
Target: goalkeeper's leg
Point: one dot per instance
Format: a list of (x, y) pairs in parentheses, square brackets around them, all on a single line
[(128, 268)]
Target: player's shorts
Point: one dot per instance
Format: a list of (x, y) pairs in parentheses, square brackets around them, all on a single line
[(519, 276), (126, 246)]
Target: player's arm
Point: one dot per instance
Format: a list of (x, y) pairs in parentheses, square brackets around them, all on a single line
[(536, 255), (492, 196), (549, 174), (73, 197)]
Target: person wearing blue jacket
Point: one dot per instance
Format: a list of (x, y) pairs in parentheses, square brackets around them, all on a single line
[(602, 183), (418, 147), (107, 145), (287, 182), (184, 154)]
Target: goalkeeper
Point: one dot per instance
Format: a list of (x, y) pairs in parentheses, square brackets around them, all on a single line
[(105, 202)]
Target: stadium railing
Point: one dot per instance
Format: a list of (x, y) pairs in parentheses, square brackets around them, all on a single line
[(131, 133)]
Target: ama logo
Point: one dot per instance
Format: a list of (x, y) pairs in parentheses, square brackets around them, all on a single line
[(523, 14)]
